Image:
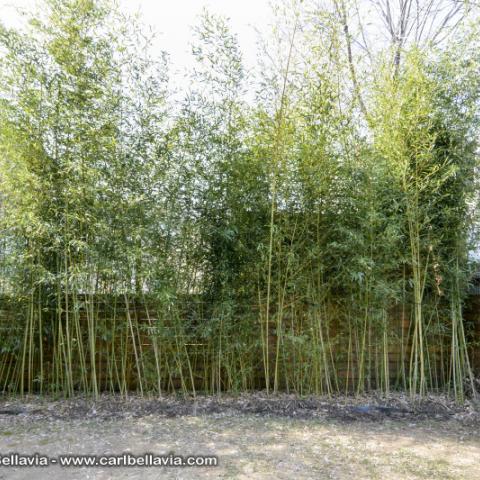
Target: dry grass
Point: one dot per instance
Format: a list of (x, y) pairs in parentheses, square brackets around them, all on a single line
[(248, 445)]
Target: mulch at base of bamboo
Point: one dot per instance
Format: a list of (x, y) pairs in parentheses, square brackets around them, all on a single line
[(368, 408)]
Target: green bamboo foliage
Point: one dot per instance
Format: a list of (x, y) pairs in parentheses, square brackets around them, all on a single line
[(313, 240)]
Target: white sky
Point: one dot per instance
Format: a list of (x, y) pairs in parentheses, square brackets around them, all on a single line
[(173, 19)]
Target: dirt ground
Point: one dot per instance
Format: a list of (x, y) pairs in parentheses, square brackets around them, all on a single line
[(253, 436)]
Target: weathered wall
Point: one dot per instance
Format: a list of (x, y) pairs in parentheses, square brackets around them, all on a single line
[(472, 325), (343, 350)]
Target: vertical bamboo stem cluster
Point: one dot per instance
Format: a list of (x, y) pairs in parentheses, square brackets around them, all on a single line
[(315, 241)]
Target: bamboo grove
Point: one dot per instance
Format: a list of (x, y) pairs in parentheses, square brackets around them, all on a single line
[(307, 228)]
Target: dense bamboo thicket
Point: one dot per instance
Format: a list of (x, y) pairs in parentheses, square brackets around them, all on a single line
[(305, 229)]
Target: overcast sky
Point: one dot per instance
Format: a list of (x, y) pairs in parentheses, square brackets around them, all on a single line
[(173, 19)]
